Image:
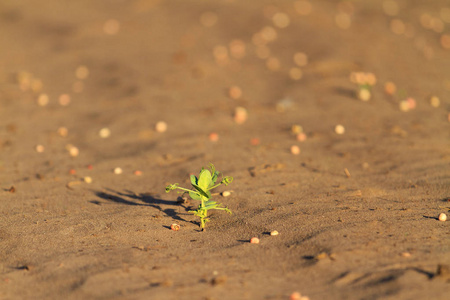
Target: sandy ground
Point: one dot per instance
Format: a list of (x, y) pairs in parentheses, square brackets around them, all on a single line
[(356, 212)]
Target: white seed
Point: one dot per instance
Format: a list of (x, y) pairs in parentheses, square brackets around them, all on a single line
[(226, 193), (88, 179), (274, 232), (161, 126), (118, 171), (339, 129), (442, 217), (104, 133)]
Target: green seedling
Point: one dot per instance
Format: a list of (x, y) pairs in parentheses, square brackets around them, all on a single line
[(201, 191)]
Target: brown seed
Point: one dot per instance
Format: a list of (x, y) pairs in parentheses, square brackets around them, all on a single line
[(256, 141), (64, 100), (301, 137), (390, 88), (138, 173), (300, 59)]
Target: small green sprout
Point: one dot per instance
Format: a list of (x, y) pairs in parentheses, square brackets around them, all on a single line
[(201, 191)]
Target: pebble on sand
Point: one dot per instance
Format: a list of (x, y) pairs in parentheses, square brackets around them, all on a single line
[(442, 217)]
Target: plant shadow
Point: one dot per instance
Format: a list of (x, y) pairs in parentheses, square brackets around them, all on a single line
[(145, 199)]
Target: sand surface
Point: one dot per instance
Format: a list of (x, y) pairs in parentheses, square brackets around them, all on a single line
[(356, 212)]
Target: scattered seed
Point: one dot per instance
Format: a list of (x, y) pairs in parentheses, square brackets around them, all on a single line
[(301, 137), (274, 232), (295, 73), (295, 296), (296, 129), (73, 151), (268, 34), (104, 133), (220, 54), (339, 129), (300, 59), (442, 217), (213, 137), (404, 105), (295, 150), (72, 171), (118, 171), (364, 94), (43, 100), (235, 92), (81, 72), (390, 88), (281, 20), (254, 240), (138, 173), (64, 100), (175, 227), (434, 101), (445, 41), (240, 115), (90, 167), (255, 141), (406, 254), (88, 179), (161, 126), (111, 27), (12, 189), (397, 26), (347, 173), (273, 64), (226, 194), (40, 148), (237, 49)]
